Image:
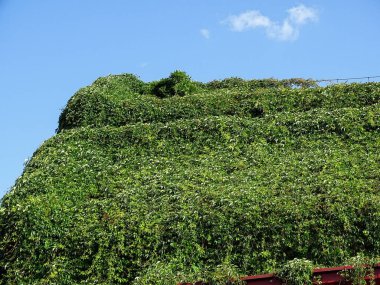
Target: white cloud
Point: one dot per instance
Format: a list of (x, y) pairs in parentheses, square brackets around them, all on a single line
[(301, 14), (205, 33), (286, 31), (248, 20)]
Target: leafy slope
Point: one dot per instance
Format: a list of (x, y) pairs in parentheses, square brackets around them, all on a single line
[(170, 189)]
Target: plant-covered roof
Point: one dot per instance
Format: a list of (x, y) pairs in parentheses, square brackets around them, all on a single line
[(178, 180)]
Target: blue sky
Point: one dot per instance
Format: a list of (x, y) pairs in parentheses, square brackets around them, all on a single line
[(49, 49)]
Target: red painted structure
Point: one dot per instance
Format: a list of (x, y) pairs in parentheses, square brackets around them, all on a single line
[(324, 276)]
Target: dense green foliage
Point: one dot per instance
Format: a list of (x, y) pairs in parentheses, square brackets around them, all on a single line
[(236, 178), (178, 83), (297, 272), (103, 104)]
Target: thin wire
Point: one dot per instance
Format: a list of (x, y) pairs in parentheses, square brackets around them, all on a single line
[(347, 79)]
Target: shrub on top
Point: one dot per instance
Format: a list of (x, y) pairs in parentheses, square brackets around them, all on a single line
[(178, 83)]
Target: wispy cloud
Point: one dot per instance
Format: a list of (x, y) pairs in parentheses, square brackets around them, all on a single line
[(205, 33), (286, 31), (301, 14), (248, 20)]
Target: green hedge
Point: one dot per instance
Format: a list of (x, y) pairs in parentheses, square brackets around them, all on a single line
[(200, 193), (88, 107)]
